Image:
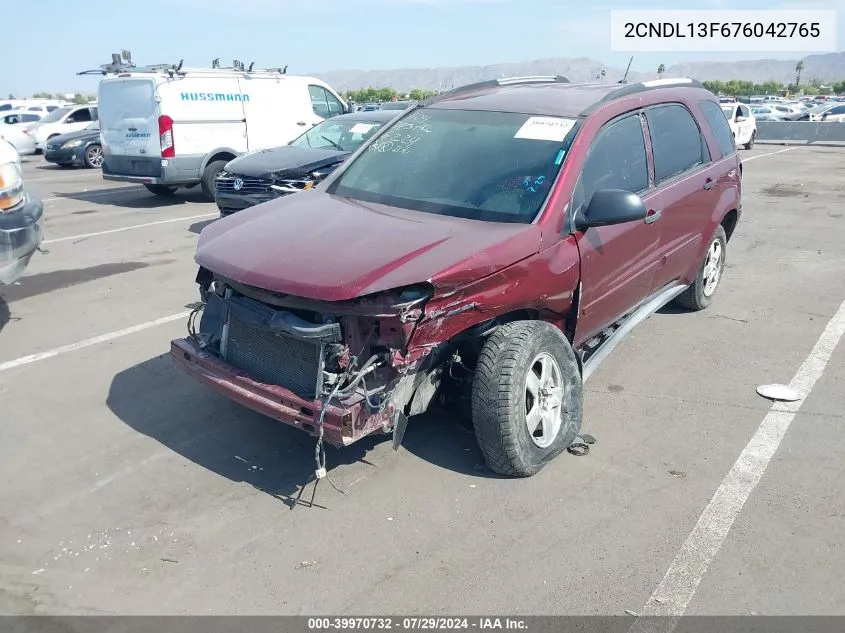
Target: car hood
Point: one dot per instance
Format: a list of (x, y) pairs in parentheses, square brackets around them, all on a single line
[(315, 245), (84, 135), (284, 159)]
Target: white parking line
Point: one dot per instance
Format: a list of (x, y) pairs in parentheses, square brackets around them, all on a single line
[(780, 151), (674, 593), (128, 228), (103, 338), (62, 173), (97, 192)]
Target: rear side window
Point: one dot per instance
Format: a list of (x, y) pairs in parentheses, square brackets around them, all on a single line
[(617, 160), (676, 141), (720, 126)]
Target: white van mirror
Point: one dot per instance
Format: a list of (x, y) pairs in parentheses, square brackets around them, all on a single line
[(740, 118)]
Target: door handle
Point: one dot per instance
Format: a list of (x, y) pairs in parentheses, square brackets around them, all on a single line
[(653, 216), (301, 123), (709, 183)]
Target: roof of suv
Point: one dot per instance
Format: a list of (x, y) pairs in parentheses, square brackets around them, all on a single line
[(547, 96)]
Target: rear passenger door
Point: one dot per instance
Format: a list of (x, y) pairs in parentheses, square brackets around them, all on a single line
[(618, 262), (688, 190)]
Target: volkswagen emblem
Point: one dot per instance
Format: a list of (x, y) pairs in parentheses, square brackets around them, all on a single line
[(238, 184)]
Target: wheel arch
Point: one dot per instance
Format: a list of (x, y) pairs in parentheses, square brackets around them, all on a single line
[(218, 153), (729, 222)]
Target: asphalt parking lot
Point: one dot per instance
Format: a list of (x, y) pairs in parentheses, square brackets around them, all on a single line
[(128, 488)]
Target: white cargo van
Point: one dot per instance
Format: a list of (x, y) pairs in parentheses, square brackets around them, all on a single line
[(167, 127)]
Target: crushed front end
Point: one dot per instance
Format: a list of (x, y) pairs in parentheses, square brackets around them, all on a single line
[(334, 369)]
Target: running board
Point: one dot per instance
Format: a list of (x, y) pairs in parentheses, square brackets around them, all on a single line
[(637, 316)]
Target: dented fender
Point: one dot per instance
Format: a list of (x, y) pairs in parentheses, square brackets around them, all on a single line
[(525, 285)]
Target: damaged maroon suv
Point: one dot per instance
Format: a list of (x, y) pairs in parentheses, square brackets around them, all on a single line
[(490, 246)]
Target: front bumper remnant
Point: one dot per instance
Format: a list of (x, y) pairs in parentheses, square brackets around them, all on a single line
[(345, 421)]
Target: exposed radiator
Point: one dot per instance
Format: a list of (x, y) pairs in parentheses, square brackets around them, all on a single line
[(274, 357)]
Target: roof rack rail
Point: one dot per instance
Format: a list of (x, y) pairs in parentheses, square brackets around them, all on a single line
[(643, 86), (122, 63), (501, 81)]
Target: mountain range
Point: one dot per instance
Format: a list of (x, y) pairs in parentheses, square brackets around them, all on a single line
[(825, 67)]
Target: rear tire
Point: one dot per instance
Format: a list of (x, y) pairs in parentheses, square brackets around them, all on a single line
[(209, 176), (161, 190), (526, 371), (700, 294), (750, 142)]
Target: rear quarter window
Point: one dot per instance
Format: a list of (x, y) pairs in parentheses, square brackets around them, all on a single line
[(676, 140), (720, 127)]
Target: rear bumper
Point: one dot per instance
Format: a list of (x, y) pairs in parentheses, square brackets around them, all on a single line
[(153, 170), (21, 234), (342, 425)]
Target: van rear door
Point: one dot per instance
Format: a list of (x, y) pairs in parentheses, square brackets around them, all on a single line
[(128, 111)]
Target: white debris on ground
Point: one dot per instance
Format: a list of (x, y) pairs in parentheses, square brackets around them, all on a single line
[(782, 393)]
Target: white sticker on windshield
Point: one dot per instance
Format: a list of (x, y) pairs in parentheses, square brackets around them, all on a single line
[(361, 128), (545, 128)]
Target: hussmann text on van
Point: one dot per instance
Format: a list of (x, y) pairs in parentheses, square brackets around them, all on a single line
[(213, 96)]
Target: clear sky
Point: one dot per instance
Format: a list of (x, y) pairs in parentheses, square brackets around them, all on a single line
[(53, 39)]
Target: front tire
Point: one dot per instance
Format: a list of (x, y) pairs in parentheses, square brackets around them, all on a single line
[(94, 157), (161, 190), (208, 178), (700, 294), (526, 397)]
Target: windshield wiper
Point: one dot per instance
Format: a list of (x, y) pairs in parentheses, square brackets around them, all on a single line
[(326, 138)]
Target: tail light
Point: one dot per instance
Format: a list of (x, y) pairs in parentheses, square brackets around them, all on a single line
[(165, 135)]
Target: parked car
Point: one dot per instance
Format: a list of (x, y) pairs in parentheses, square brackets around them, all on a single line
[(835, 113), (22, 142), (20, 218), (471, 248), (82, 149), (21, 117), (742, 122), (763, 112), (790, 111), (166, 134), (261, 176), (61, 121)]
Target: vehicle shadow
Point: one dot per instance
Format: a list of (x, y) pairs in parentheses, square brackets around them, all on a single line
[(157, 400), (143, 200), (5, 313), (672, 308), (197, 227)]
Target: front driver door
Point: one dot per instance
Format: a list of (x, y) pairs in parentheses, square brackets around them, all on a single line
[(618, 263)]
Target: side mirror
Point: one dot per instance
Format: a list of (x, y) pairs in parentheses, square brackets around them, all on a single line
[(71, 120), (741, 118), (611, 206)]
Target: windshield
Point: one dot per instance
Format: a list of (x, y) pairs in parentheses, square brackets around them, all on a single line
[(344, 136), (55, 115), (495, 166)]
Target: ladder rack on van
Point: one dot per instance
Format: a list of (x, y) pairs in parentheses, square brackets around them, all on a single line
[(122, 63)]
